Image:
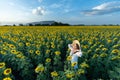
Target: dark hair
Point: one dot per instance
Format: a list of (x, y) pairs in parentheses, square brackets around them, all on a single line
[(78, 47)]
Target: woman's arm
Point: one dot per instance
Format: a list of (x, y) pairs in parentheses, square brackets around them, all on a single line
[(70, 46)]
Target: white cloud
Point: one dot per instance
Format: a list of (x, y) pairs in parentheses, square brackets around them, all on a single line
[(67, 10), (38, 11), (56, 5), (104, 8)]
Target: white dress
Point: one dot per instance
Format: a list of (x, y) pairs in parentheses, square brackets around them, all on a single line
[(75, 55)]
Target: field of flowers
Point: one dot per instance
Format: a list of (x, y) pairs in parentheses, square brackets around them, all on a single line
[(41, 53)]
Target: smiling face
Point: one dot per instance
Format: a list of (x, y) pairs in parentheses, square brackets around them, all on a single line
[(75, 44)]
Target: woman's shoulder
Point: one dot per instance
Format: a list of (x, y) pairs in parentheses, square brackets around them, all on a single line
[(79, 53)]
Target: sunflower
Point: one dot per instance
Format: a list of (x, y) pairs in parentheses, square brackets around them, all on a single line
[(86, 46), (97, 50), (20, 44), (95, 56), (69, 75), (11, 46), (89, 51), (39, 68), (80, 71), (28, 44), (115, 51), (2, 52), (5, 48), (74, 64), (84, 65), (37, 46), (101, 46), (54, 74), (48, 60), (69, 58), (104, 49), (115, 39), (116, 46), (2, 64), (7, 71), (37, 52), (18, 52), (47, 51), (7, 78), (103, 55), (13, 51), (31, 51), (57, 52), (53, 46), (109, 41), (20, 56), (115, 58)]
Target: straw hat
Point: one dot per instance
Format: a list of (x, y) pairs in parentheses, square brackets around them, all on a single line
[(76, 42)]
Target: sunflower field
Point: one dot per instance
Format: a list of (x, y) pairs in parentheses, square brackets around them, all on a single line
[(41, 53)]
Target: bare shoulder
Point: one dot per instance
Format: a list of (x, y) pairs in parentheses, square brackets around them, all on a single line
[(79, 53)]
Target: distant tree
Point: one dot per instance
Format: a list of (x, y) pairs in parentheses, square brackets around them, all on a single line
[(117, 24), (104, 25), (54, 24), (30, 24), (80, 25), (14, 25), (59, 24), (21, 25), (6, 25), (49, 24), (38, 25), (45, 25), (66, 24), (111, 25), (94, 25)]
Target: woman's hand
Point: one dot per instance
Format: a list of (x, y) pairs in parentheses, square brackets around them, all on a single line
[(70, 46)]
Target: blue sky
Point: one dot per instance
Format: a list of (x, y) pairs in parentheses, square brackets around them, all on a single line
[(67, 11)]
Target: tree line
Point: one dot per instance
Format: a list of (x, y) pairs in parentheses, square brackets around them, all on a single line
[(61, 24)]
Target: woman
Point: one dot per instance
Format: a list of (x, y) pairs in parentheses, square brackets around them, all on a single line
[(75, 52)]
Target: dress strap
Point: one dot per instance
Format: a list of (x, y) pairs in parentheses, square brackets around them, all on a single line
[(76, 52)]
